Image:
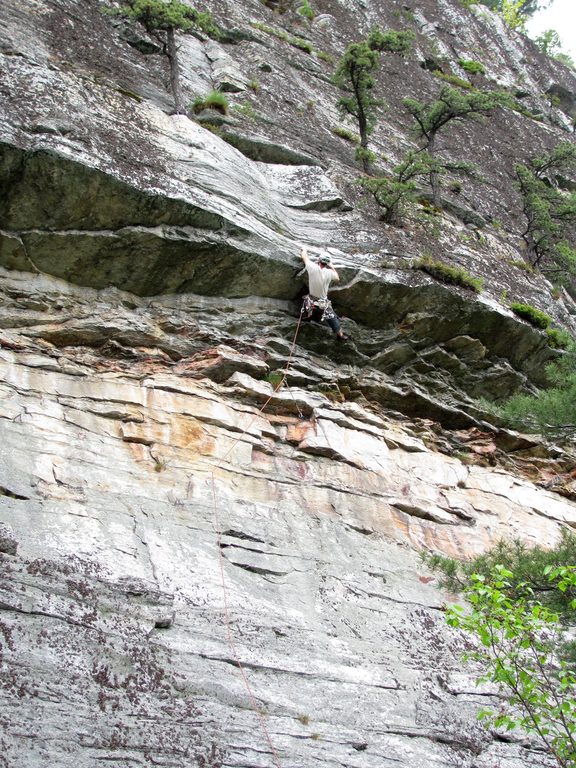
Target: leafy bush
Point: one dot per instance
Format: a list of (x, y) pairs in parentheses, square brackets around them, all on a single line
[(520, 264), (449, 274), (453, 80), (473, 67), (215, 100), (527, 563), (534, 316), (306, 11), (559, 339), (391, 40), (549, 212), (551, 411), (517, 645), (393, 193), (297, 42), (346, 133)]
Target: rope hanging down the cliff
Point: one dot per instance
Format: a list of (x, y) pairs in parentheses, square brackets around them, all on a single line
[(227, 619)]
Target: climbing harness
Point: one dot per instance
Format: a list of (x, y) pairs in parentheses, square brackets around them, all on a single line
[(312, 303)]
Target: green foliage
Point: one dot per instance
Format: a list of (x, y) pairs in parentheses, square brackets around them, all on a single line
[(548, 211), (364, 156), (551, 411), (520, 264), (534, 316), (394, 193), (303, 45), (306, 11), (527, 563), (325, 56), (245, 110), (215, 129), (566, 59), (517, 645), (166, 15), (558, 339), (215, 100), (276, 379), (346, 134), (527, 7), (473, 67), (449, 274), (450, 105), (453, 80), (549, 42), (391, 40), (354, 74), (281, 34), (511, 12)]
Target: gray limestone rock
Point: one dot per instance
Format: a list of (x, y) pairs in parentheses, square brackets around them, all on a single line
[(210, 514)]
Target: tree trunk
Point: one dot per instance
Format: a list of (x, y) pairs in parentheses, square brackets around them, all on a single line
[(434, 175), (174, 72), (363, 130)]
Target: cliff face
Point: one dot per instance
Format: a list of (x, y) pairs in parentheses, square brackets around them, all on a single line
[(198, 570)]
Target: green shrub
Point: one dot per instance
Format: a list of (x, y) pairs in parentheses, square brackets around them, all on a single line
[(364, 155), (520, 264), (345, 133), (558, 339), (516, 647), (306, 11), (453, 80), (449, 274), (245, 110), (215, 100), (528, 563), (534, 316), (325, 56), (304, 45), (297, 42), (215, 129), (551, 411), (275, 378), (472, 67), (391, 40)]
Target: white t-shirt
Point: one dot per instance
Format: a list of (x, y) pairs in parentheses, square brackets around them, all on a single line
[(319, 279)]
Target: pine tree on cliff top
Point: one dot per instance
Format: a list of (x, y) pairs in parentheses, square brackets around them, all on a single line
[(355, 74), (162, 19)]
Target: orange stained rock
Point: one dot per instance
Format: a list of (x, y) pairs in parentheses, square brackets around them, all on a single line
[(299, 431)]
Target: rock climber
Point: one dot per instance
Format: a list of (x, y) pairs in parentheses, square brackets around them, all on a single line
[(316, 305)]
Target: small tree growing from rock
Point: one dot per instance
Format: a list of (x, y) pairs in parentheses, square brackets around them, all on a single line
[(162, 19), (355, 74), (451, 104), (548, 211), (395, 192), (517, 645)]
